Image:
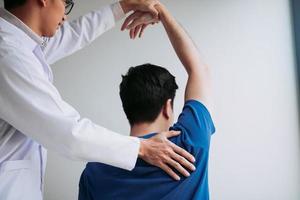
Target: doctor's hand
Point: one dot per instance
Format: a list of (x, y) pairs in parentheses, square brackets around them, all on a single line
[(161, 152)]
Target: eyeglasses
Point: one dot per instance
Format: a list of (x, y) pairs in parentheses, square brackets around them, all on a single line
[(69, 6)]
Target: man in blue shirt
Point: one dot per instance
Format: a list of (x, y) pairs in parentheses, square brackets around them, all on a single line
[(147, 94)]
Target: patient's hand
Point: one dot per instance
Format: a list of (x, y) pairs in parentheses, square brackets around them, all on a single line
[(137, 22), (161, 152)]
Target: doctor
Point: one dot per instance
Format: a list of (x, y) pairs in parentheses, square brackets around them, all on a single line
[(33, 116)]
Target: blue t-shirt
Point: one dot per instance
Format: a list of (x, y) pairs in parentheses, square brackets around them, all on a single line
[(102, 182)]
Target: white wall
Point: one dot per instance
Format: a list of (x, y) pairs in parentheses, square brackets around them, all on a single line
[(255, 153)]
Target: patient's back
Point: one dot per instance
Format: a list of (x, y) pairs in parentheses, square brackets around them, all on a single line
[(99, 181)]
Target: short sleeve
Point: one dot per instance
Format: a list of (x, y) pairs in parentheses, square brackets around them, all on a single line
[(195, 124)]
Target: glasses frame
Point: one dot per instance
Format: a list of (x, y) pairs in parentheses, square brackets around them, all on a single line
[(69, 5)]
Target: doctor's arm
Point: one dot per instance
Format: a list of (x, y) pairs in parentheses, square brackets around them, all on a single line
[(32, 105)]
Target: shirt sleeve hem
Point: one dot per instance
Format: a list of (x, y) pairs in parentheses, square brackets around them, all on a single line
[(117, 11)]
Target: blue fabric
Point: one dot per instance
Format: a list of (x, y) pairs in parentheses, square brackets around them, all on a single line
[(99, 181)]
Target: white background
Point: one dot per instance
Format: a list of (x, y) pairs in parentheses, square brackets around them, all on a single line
[(249, 46)]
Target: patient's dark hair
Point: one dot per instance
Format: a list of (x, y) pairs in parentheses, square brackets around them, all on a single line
[(144, 90), (11, 4)]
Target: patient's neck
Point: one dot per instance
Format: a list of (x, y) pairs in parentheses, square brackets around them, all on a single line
[(145, 128)]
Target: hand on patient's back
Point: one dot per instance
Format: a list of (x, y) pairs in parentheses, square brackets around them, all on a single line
[(137, 22), (161, 152)]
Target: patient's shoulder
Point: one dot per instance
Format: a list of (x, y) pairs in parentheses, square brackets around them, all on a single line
[(196, 124)]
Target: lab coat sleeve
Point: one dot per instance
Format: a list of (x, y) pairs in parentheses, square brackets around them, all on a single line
[(76, 34), (31, 104)]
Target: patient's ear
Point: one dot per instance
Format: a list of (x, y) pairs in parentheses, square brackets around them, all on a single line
[(167, 109)]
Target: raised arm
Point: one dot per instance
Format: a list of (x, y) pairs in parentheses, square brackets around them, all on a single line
[(198, 85)]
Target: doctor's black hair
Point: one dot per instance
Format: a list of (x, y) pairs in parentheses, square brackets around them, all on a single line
[(11, 4), (144, 90)]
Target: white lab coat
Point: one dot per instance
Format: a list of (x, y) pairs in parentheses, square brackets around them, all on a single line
[(33, 116)]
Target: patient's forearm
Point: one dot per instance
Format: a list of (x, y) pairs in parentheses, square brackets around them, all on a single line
[(182, 43), (198, 84)]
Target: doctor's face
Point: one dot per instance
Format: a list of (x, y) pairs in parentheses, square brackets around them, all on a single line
[(53, 17)]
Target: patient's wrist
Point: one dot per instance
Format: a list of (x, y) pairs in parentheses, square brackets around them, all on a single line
[(161, 10)]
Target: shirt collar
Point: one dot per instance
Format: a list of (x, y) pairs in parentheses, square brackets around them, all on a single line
[(9, 17)]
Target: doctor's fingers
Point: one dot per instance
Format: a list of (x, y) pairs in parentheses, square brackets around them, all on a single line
[(170, 134), (169, 171), (181, 154), (144, 26), (130, 18), (132, 32), (137, 31), (176, 165), (142, 20), (137, 19), (181, 161)]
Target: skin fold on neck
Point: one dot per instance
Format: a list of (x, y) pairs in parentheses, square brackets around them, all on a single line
[(159, 125)]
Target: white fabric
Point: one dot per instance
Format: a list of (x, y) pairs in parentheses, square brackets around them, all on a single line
[(33, 116)]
